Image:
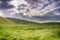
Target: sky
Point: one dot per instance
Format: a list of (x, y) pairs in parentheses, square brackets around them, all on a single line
[(29, 8)]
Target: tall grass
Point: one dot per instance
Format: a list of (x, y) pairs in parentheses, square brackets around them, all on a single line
[(31, 31)]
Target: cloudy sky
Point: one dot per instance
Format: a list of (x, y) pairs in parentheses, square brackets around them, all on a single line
[(30, 8)]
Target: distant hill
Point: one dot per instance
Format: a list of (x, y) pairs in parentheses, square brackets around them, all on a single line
[(5, 21), (19, 21), (13, 21)]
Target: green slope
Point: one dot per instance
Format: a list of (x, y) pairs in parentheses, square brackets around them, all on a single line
[(15, 29), (20, 21), (13, 21), (27, 23), (5, 21)]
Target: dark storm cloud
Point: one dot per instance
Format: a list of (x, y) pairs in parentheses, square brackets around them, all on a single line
[(5, 5), (35, 0), (56, 0), (5, 0)]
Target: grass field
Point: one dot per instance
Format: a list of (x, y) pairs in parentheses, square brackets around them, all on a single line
[(24, 30)]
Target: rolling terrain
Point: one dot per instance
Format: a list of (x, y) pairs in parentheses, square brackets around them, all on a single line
[(15, 29)]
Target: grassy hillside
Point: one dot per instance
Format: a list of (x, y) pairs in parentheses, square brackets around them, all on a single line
[(15, 29), (5, 21)]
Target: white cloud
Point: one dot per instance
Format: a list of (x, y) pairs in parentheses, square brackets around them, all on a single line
[(1, 13), (1, 2), (56, 13), (17, 2), (33, 12), (5, 13)]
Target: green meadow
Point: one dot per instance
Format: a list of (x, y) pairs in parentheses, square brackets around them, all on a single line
[(15, 29)]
